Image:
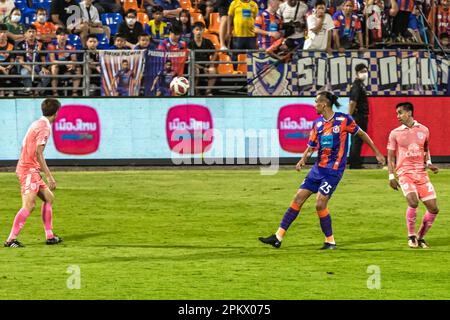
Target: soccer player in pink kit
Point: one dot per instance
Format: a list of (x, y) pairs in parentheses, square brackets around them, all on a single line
[(409, 157), (28, 169)]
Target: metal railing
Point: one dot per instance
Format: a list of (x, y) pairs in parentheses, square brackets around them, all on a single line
[(228, 81)]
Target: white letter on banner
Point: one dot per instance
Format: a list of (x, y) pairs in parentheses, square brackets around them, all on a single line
[(305, 74), (338, 71), (444, 68), (321, 72), (428, 72), (235, 146), (409, 71), (388, 71)]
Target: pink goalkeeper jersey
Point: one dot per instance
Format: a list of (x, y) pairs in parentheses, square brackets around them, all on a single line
[(409, 146), (37, 134)]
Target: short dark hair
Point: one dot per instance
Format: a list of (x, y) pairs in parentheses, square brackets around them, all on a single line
[(319, 3), (3, 27), (119, 35), (41, 9), (175, 28), (91, 36), (30, 27), (50, 107), (443, 35), (331, 97), (131, 11), (198, 24), (61, 31), (157, 9), (143, 34), (407, 106), (360, 66)]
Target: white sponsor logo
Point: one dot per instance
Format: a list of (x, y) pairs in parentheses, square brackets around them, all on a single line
[(301, 124), (420, 135), (413, 150), (79, 125), (193, 124)]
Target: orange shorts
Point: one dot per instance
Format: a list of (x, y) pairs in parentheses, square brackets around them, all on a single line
[(31, 182), (419, 184)]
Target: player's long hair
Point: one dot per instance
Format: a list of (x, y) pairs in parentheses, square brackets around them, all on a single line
[(330, 96)]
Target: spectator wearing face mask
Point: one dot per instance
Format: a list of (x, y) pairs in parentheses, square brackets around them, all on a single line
[(131, 28), (359, 110), (16, 30), (46, 30)]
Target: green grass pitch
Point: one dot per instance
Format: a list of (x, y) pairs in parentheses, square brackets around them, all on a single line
[(192, 234)]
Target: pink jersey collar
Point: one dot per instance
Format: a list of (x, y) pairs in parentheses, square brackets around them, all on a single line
[(415, 124), (46, 120)]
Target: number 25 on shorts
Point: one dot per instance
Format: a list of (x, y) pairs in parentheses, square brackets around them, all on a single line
[(326, 187)]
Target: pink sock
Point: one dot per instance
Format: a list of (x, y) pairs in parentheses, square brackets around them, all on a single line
[(19, 222), (47, 211), (427, 222), (411, 220)]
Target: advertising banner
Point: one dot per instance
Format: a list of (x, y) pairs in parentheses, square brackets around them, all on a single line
[(200, 128), (391, 73)]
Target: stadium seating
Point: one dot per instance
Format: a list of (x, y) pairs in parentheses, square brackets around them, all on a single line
[(21, 4), (112, 20), (242, 68), (103, 42), (28, 16), (130, 4), (75, 40), (142, 18), (198, 17), (214, 21), (186, 4), (214, 39), (225, 68)]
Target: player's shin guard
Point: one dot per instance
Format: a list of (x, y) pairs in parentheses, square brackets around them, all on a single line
[(411, 220), (427, 222), (325, 222), (289, 217), (19, 222), (47, 212)]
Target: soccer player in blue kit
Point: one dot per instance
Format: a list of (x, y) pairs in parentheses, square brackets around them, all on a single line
[(123, 80), (329, 136)]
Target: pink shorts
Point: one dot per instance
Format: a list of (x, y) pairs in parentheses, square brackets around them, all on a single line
[(419, 184), (31, 182)]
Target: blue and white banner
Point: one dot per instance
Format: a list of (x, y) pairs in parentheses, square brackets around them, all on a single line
[(154, 66), (121, 72), (391, 73)]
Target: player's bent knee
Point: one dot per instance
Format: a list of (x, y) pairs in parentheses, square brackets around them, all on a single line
[(433, 210), (321, 205)]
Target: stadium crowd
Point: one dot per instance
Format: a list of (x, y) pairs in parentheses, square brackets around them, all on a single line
[(172, 25)]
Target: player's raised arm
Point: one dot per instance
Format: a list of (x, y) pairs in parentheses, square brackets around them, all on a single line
[(43, 164), (365, 137), (391, 168)]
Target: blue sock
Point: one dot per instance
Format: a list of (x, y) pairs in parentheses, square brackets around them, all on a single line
[(325, 224), (289, 217)]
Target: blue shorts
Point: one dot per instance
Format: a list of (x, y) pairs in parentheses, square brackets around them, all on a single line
[(321, 180)]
